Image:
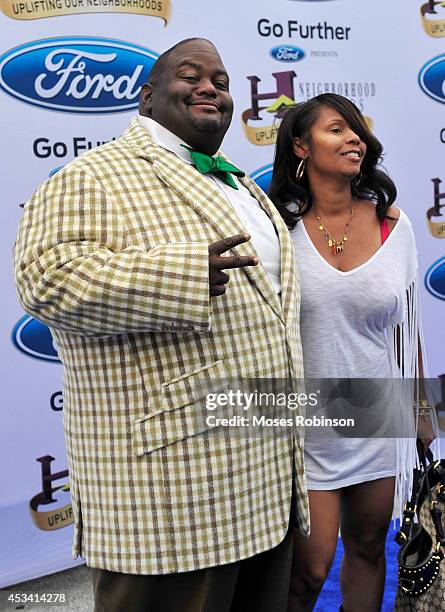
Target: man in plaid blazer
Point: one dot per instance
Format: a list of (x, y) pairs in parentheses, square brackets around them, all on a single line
[(122, 253)]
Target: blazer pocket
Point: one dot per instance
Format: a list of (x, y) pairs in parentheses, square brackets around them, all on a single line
[(184, 412)]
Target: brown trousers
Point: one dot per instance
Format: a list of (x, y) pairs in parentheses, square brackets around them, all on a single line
[(257, 584)]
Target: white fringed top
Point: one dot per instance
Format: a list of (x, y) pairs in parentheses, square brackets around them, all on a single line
[(365, 324)]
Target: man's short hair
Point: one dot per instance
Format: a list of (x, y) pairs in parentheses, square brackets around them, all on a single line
[(161, 63)]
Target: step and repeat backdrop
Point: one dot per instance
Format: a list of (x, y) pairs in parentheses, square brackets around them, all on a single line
[(70, 75)]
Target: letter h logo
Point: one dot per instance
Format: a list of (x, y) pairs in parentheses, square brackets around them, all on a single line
[(435, 210), (285, 87), (46, 496)]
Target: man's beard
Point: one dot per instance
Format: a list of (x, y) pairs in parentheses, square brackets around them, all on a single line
[(206, 124)]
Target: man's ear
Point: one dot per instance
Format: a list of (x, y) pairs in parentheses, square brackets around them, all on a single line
[(145, 100), (300, 147)]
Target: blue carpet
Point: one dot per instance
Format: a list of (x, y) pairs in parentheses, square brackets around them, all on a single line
[(330, 598)]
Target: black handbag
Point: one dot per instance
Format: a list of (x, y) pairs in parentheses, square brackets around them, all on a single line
[(422, 545)]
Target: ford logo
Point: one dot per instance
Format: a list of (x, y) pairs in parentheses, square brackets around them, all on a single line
[(287, 53), (77, 75), (435, 279), (34, 339), (54, 171), (432, 78), (263, 177)]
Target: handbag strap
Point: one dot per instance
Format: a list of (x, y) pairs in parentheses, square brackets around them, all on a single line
[(410, 509), (421, 480), (435, 511)]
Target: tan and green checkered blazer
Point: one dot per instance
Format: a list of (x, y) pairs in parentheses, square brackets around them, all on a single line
[(112, 254)]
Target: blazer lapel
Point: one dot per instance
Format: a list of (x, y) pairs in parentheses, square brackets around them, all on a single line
[(207, 201), (289, 275)]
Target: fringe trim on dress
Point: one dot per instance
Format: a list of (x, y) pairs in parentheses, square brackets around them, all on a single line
[(407, 354)]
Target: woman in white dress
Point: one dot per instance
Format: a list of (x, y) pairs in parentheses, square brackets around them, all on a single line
[(358, 266)]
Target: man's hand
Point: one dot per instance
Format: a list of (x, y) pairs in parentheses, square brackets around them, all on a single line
[(217, 278)]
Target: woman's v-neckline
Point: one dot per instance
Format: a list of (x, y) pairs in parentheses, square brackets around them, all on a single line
[(362, 265)]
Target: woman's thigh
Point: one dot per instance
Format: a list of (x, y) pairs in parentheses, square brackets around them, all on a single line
[(317, 551), (365, 516)]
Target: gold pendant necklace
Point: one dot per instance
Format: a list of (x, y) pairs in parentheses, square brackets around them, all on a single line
[(336, 245)]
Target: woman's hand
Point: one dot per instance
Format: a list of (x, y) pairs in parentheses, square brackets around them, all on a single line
[(425, 430)]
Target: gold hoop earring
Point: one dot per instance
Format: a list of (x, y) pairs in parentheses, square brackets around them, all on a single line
[(300, 169)]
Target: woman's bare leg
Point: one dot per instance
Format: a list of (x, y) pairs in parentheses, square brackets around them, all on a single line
[(365, 517), (313, 556)]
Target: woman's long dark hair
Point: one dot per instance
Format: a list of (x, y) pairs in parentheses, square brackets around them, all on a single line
[(374, 184)]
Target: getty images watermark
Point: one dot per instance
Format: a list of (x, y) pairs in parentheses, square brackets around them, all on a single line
[(324, 407), (268, 409)]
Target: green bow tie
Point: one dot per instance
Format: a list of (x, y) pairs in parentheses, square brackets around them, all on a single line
[(215, 165)]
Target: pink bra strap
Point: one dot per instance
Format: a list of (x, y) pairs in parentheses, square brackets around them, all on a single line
[(384, 230)]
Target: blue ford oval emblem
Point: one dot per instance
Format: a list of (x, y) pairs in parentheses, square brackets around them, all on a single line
[(77, 74), (287, 53), (54, 171), (432, 78), (435, 279), (263, 177), (34, 339)]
